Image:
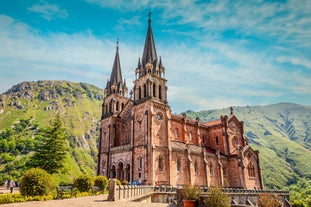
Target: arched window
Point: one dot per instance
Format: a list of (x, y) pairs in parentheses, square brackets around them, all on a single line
[(216, 140), (113, 172), (160, 163), (178, 165), (176, 133), (122, 106), (190, 136), (145, 90), (160, 92), (139, 93)]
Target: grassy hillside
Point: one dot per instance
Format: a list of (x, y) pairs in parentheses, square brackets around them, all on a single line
[(29, 106), (282, 134)]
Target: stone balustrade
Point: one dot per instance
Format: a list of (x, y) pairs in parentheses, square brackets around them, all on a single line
[(238, 196)]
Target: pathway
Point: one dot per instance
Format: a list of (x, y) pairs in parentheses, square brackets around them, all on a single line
[(88, 201)]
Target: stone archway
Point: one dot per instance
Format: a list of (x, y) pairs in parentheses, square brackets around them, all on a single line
[(120, 173), (113, 172), (128, 172)]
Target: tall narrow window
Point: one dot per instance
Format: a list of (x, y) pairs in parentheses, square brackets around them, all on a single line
[(140, 162), (211, 170), (224, 170), (160, 92), (176, 133), (195, 167), (160, 163), (154, 90), (178, 165), (145, 90), (216, 140), (139, 92), (117, 106), (251, 170), (190, 136)]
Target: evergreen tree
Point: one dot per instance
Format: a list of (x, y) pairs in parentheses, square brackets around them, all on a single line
[(52, 151)]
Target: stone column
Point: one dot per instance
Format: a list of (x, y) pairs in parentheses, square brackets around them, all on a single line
[(112, 189)]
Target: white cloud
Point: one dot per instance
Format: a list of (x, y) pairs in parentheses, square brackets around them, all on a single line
[(295, 61), (48, 11)]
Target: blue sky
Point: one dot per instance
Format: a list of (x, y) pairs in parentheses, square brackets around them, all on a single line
[(216, 53)]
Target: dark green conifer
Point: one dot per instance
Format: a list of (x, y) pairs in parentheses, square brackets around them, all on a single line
[(53, 149)]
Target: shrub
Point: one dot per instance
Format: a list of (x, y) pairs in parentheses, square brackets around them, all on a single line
[(118, 182), (101, 181), (83, 183), (269, 200), (298, 204), (217, 198), (191, 192), (35, 182), (125, 182)]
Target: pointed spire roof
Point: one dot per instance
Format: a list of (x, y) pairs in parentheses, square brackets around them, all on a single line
[(150, 54), (115, 84), (116, 74)]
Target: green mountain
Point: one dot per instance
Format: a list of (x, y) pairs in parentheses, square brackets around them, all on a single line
[(29, 106), (281, 132)]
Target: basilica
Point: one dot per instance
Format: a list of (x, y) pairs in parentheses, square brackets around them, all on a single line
[(141, 140)]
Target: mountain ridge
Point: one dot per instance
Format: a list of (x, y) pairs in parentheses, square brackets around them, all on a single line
[(281, 132)]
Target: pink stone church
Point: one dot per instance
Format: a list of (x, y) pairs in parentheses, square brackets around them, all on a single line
[(141, 140)]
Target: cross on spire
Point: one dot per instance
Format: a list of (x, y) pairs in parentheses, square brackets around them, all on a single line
[(149, 15), (117, 42)]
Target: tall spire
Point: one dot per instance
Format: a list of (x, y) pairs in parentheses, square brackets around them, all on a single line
[(115, 84), (150, 54)]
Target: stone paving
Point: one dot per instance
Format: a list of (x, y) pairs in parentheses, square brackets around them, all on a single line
[(88, 201)]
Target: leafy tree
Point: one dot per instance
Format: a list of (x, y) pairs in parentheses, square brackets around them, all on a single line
[(51, 154), (217, 198)]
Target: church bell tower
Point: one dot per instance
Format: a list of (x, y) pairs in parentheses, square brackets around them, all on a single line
[(150, 82)]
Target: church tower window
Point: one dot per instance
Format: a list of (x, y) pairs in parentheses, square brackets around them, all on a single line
[(216, 140), (145, 90), (154, 90), (190, 136), (160, 93), (117, 106)]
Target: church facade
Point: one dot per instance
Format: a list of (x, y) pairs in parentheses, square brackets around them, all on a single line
[(140, 139)]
